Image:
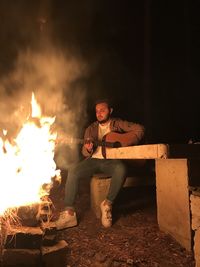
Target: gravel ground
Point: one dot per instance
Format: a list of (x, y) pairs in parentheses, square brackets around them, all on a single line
[(133, 240)]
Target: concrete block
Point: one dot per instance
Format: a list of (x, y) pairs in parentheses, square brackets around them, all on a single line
[(195, 210), (152, 151), (197, 248), (100, 184), (21, 257), (50, 233), (99, 187), (24, 237), (54, 256), (173, 205), (49, 240)]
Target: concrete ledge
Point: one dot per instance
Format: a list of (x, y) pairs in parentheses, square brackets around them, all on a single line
[(153, 151)]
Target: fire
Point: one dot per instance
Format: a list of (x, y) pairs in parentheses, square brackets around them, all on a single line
[(27, 163)]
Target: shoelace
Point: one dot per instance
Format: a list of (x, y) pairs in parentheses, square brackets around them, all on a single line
[(63, 215), (108, 213)]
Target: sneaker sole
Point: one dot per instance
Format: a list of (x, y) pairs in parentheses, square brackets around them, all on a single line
[(69, 225)]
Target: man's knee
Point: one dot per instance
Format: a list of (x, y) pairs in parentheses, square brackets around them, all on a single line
[(120, 169), (73, 172)]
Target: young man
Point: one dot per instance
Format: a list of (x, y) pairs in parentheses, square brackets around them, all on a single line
[(96, 162)]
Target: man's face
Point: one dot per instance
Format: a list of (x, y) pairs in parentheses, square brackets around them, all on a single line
[(102, 112)]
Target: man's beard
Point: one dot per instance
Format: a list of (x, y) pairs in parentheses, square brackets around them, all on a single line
[(105, 120)]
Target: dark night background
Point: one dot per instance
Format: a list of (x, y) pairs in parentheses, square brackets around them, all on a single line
[(144, 55)]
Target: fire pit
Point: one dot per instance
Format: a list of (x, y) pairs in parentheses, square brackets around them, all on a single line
[(32, 246)]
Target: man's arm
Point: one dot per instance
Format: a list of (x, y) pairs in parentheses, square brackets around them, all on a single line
[(137, 130)]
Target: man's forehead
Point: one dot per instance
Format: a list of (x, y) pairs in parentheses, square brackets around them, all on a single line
[(101, 105)]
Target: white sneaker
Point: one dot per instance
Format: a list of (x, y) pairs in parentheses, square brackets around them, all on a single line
[(66, 219), (106, 214)]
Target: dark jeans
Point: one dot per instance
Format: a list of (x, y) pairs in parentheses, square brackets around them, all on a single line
[(86, 168)]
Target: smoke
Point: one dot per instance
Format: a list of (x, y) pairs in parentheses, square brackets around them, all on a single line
[(55, 78), (44, 43)]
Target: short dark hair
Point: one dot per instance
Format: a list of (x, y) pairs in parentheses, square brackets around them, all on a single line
[(103, 100)]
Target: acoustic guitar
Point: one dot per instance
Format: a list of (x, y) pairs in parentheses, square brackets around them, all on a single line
[(120, 139), (110, 140)]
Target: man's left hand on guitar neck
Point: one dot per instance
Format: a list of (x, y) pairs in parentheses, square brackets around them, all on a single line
[(89, 145)]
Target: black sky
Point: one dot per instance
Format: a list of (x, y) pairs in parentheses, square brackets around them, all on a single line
[(144, 55)]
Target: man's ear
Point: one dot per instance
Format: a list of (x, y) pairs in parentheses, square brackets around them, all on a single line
[(111, 110)]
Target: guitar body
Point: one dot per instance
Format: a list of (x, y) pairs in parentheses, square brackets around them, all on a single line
[(125, 139)]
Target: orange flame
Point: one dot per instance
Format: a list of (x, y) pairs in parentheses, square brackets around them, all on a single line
[(29, 163)]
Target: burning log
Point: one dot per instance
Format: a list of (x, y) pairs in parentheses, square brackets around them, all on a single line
[(27, 215)]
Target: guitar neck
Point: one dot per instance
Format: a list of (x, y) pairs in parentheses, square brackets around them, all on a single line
[(72, 140), (107, 144)]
